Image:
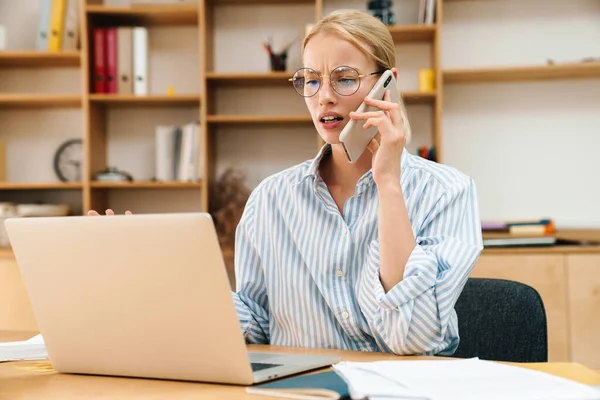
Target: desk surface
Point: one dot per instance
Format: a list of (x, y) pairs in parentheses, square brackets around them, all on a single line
[(17, 383)]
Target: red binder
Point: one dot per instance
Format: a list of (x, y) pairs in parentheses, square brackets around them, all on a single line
[(99, 60), (111, 61)]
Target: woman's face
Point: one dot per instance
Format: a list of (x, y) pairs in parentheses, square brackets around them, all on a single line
[(323, 53)]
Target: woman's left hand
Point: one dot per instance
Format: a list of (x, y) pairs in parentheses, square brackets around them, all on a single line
[(386, 152)]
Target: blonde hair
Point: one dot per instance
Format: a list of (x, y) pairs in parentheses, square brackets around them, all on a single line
[(366, 33)]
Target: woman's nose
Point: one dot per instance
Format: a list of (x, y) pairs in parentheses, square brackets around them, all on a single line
[(326, 94)]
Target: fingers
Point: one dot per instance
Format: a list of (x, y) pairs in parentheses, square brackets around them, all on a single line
[(384, 104), (375, 121), (95, 213), (366, 115)]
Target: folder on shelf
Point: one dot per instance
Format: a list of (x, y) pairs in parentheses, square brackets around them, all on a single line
[(124, 60), (99, 60), (190, 157), (167, 145), (57, 17), (70, 34), (44, 25), (140, 60), (110, 81)]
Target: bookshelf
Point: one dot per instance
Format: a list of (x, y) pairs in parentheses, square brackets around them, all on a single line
[(413, 33), (99, 111), (146, 185), (149, 100), (145, 15), (40, 101), (523, 73), (213, 81), (36, 59)]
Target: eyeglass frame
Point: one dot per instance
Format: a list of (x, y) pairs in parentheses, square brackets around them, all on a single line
[(321, 76)]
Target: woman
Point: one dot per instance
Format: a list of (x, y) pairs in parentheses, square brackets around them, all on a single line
[(368, 256)]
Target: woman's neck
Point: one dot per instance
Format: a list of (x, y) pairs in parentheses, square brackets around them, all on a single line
[(337, 171)]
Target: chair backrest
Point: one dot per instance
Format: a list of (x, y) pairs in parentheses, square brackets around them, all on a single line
[(501, 320)]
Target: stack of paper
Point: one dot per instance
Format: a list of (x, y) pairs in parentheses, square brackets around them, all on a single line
[(456, 380), (31, 349)]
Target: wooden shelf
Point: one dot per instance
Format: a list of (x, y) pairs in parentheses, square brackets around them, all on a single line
[(256, 2), (150, 100), (38, 59), (250, 79), (39, 101), (6, 252), (40, 186), (145, 185), (419, 97), (525, 73), (412, 33), (259, 119), (144, 15)]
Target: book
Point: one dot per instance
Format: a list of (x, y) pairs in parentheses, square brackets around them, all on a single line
[(321, 385)]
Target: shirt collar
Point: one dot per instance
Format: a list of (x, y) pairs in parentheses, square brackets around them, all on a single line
[(313, 167), (364, 181)]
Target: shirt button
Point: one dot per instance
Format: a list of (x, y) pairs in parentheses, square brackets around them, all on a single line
[(365, 350), (339, 273), (345, 231), (345, 315)]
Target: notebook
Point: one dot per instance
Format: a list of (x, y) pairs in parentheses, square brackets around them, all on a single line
[(323, 385)]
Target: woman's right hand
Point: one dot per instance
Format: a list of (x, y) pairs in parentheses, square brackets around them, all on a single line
[(95, 213)]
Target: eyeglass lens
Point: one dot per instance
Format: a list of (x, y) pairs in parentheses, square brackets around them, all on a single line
[(344, 80)]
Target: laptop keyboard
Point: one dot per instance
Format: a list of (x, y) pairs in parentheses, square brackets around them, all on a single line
[(256, 366)]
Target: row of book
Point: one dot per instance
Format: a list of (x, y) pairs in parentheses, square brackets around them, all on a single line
[(58, 26), (428, 153), (120, 60), (178, 153), (516, 233), (544, 226)]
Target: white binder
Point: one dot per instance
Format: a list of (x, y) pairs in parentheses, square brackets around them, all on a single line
[(140, 61)]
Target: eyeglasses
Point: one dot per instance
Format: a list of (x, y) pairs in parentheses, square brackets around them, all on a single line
[(344, 80)]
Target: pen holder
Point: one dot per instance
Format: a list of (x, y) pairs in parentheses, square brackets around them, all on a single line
[(278, 61)]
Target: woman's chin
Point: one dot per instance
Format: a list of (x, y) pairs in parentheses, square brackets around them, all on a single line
[(330, 136)]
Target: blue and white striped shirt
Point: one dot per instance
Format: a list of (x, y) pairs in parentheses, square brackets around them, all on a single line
[(308, 276)]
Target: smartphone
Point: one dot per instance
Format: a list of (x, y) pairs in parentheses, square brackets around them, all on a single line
[(354, 137)]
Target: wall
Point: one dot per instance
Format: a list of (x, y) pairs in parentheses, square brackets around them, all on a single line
[(531, 147)]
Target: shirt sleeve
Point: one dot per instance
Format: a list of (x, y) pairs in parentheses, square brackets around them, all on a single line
[(250, 299), (417, 315)]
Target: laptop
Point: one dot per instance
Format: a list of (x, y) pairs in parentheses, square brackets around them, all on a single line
[(140, 296)]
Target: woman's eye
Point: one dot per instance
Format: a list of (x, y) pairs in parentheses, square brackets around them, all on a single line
[(347, 81), (312, 82)]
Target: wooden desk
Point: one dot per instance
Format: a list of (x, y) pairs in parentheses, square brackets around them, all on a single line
[(24, 385)]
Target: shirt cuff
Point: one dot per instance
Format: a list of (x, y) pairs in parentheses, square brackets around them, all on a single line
[(419, 277)]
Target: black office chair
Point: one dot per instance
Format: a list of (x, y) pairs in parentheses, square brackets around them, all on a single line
[(501, 320)]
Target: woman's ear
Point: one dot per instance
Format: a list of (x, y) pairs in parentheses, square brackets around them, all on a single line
[(395, 72)]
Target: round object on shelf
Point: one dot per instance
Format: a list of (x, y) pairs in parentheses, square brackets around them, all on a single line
[(68, 160)]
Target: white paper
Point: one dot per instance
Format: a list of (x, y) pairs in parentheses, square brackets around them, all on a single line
[(31, 349), (458, 380)]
